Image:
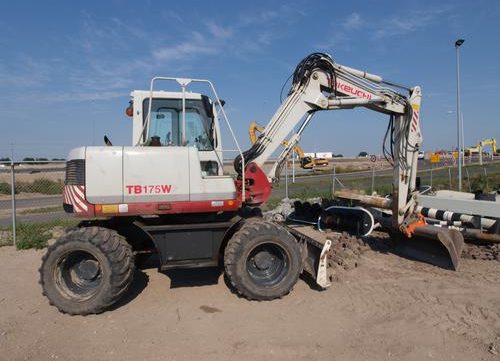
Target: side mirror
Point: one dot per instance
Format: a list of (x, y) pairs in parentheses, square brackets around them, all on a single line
[(107, 141), (222, 102)]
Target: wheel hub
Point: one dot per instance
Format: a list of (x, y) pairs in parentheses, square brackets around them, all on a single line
[(263, 260), (78, 275), (267, 264), (87, 269)]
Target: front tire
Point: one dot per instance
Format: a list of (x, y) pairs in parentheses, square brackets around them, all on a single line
[(87, 270), (262, 261)]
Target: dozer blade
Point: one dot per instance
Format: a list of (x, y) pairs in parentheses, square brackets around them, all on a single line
[(317, 244), (451, 239)]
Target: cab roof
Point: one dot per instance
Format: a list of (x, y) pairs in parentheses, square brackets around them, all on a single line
[(164, 94)]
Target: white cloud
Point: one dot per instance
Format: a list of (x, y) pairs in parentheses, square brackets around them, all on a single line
[(195, 45), (25, 72), (353, 22), (106, 58), (219, 31), (341, 36), (411, 22), (285, 13), (386, 27), (172, 16)]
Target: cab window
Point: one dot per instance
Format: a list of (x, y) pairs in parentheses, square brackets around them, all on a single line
[(166, 124)]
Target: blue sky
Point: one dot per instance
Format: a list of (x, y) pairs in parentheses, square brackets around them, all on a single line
[(67, 68)]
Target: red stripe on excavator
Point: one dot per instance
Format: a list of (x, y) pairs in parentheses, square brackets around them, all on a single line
[(65, 196), (168, 208), (74, 195), (78, 198), (81, 208)]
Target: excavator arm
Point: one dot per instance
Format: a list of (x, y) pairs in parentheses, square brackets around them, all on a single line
[(320, 84)]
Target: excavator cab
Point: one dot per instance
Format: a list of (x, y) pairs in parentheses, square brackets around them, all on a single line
[(174, 165), (174, 122)]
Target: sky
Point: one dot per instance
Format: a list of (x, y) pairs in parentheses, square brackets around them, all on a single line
[(67, 67)]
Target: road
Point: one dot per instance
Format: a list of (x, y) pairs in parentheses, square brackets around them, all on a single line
[(31, 203), (35, 202), (33, 168), (34, 218)]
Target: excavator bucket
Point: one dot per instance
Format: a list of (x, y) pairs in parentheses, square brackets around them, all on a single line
[(451, 239)]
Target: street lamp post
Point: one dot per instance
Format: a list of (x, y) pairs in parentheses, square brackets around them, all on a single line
[(459, 43)]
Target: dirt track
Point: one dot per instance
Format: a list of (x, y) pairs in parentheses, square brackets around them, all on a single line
[(389, 308)]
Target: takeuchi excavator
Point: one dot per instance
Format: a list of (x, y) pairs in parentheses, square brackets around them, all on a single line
[(168, 193), (306, 162)]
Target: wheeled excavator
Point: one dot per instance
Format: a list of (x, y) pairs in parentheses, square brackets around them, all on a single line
[(306, 162), (478, 148), (168, 192)]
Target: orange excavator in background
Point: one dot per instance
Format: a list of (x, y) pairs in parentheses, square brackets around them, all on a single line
[(306, 162)]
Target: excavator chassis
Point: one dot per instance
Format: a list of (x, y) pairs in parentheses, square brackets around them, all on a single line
[(199, 240)]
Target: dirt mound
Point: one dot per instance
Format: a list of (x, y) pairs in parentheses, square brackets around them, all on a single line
[(487, 252), (344, 254)]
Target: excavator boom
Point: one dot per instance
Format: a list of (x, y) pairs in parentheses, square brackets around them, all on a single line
[(320, 84), (306, 162)]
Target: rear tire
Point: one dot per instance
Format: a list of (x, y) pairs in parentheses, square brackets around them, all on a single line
[(87, 270), (262, 261)]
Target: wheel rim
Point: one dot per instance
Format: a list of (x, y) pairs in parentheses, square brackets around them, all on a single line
[(78, 275), (267, 264)]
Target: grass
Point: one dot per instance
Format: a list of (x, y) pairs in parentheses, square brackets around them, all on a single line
[(473, 179), (34, 235), (41, 210), (5, 188), (42, 185)]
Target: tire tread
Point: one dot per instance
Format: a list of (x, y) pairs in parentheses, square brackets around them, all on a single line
[(115, 249)]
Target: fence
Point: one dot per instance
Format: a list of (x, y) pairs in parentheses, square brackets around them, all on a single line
[(31, 203), (31, 192), (484, 177)]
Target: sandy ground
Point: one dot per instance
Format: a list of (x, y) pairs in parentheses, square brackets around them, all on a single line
[(389, 308)]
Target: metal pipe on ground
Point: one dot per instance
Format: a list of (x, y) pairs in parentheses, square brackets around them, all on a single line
[(476, 234), (454, 216), (372, 201)]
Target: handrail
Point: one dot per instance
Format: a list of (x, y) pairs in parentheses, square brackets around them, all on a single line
[(184, 82)]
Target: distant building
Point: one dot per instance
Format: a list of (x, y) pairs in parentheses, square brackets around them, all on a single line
[(324, 155), (319, 155)]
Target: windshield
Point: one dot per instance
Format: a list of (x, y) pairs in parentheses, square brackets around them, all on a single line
[(166, 123)]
